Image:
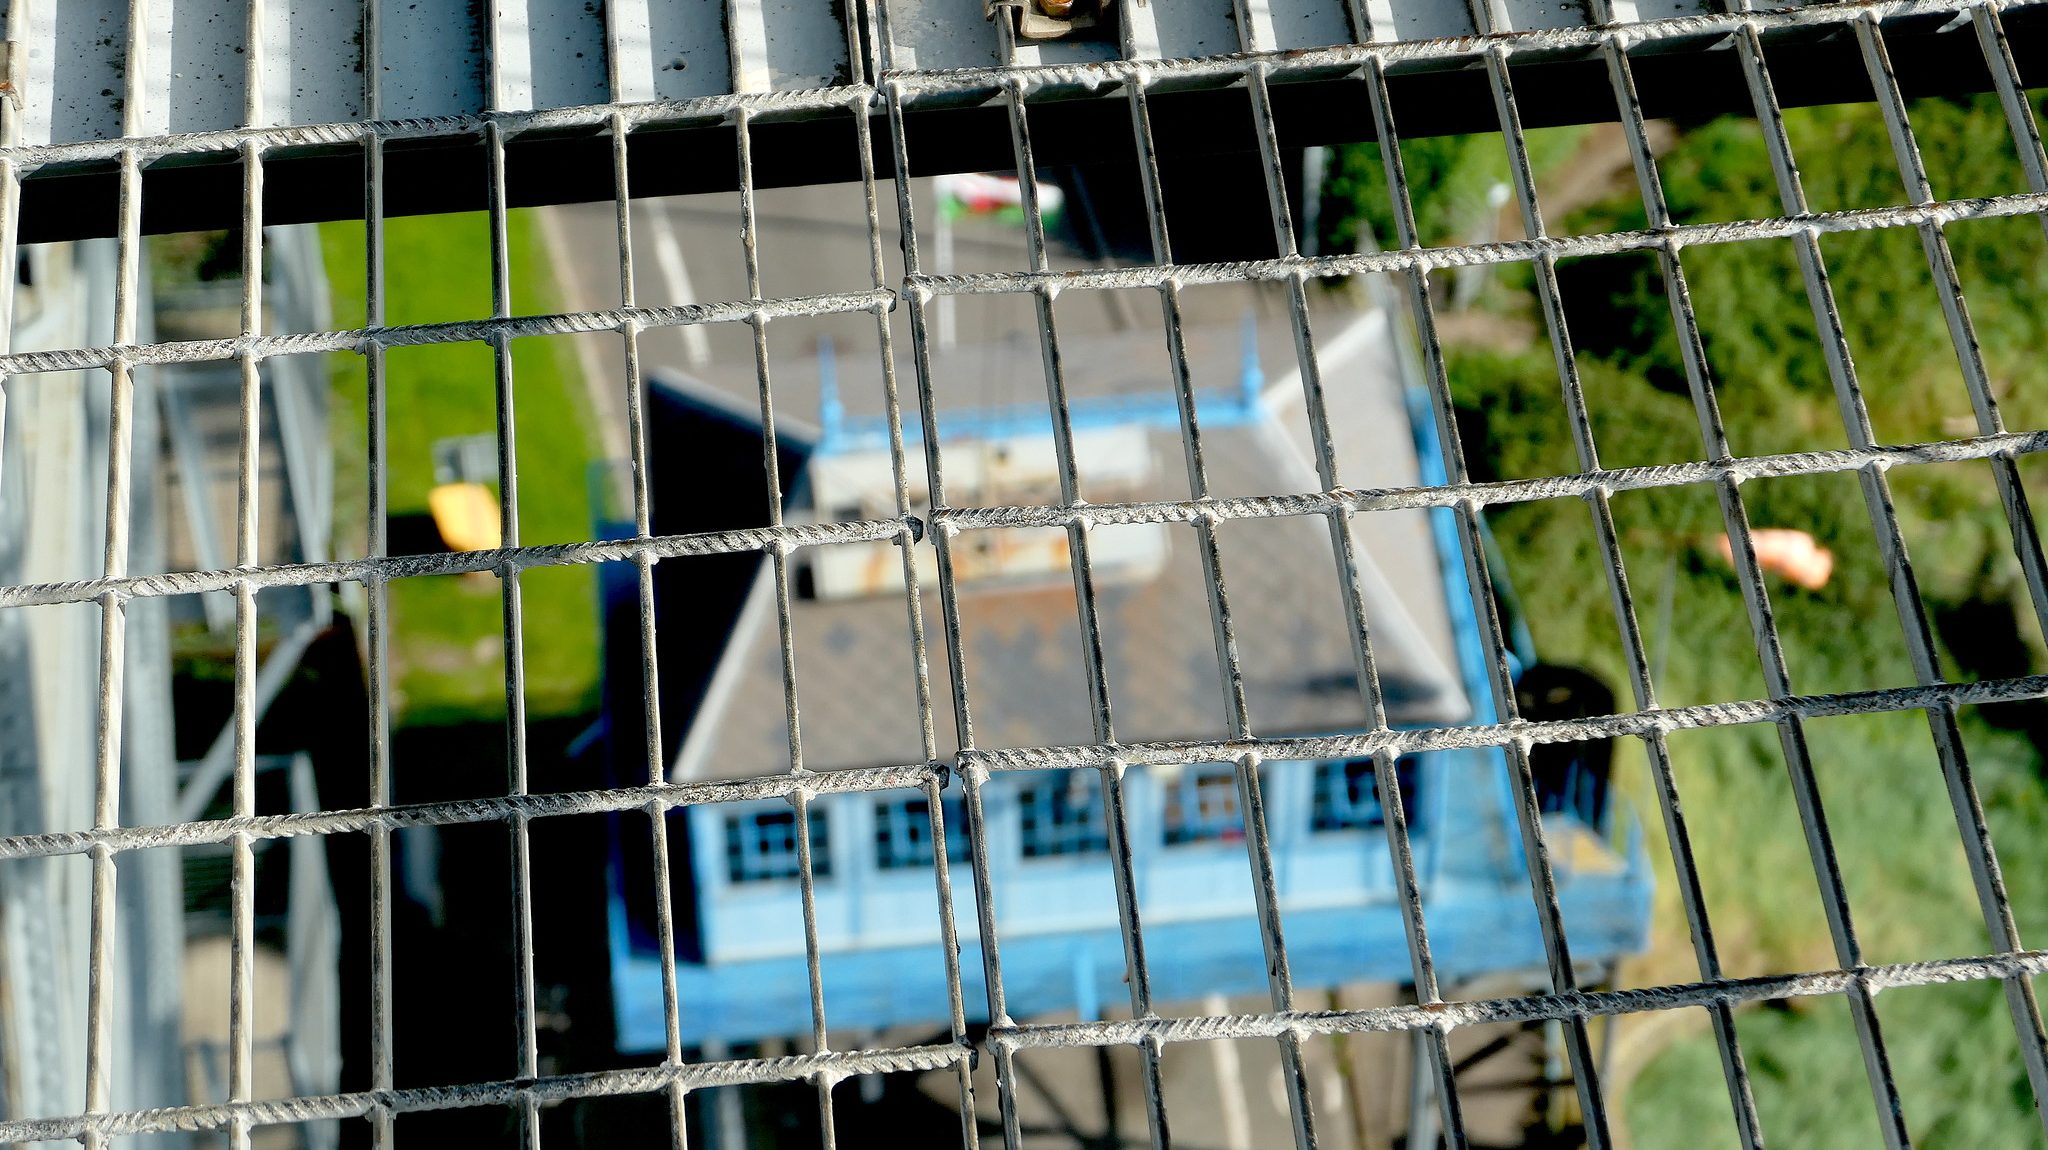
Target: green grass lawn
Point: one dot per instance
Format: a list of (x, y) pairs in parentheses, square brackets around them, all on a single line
[(447, 648), (1953, 1048)]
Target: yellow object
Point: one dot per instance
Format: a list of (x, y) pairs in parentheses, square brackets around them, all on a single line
[(1578, 849), (466, 514)]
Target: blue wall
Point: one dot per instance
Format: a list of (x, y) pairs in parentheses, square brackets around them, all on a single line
[(1057, 922)]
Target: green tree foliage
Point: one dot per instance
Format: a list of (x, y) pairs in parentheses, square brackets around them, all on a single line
[(1953, 1048)]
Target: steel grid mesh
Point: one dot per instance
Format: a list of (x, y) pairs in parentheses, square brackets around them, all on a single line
[(884, 96)]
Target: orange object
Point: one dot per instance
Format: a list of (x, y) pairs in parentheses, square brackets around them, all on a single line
[(1789, 554), (466, 514)]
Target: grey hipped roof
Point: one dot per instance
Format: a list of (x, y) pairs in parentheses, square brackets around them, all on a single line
[(855, 688)]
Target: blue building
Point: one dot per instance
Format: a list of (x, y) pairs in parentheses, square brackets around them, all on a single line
[(739, 930)]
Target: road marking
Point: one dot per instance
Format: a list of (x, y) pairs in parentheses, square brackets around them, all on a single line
[(675, 277), (575, 291), (1237, 1121)]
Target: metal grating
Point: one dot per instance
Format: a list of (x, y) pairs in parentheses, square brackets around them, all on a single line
[(887, 92)]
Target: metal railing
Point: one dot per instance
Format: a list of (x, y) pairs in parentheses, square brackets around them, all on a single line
[(881, 96)]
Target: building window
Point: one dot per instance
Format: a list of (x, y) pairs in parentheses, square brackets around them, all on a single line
[(903, 833), (1347, 795), (760, 846), (1061, 814), (1201, 805)]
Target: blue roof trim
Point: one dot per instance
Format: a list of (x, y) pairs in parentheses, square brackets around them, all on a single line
[(841, 434), (1215, 409), (1450, 555), (1450, 560)]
